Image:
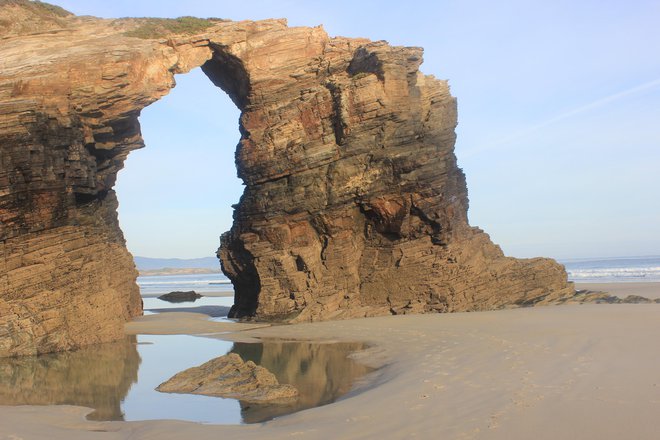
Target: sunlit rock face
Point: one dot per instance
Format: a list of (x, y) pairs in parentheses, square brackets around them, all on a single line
[(354, 204)]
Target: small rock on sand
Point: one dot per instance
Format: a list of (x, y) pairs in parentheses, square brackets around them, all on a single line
[(179, 296)]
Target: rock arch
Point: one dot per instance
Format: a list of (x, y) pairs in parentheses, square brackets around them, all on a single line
[(354, 204)]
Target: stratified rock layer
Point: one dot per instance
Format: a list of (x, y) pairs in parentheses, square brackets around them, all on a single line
[(354, 204), (228, 376)]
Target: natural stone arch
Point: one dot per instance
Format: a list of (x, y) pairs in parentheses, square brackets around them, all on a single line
[(354, 204)]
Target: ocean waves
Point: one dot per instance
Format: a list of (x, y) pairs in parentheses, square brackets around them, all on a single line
[(611, 270), (200, 283)]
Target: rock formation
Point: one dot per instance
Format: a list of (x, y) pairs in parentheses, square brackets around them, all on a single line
[(228, 376), (353, 206), (180, 297), (597, 297)]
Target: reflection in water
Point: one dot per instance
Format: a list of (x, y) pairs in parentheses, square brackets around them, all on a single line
[(162, 357), (321, 372), (96, 376), (106, 378)]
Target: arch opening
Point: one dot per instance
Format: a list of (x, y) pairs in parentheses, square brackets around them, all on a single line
[(176, 195), (342, 141)]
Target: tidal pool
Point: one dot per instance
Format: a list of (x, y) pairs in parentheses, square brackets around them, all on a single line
[(321, 372), (118, 380)]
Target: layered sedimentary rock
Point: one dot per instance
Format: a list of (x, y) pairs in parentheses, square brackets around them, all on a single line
[(354, 204), (228, 376)]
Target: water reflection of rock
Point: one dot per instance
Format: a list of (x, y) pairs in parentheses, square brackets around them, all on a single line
[(320, 372), (96, 376)]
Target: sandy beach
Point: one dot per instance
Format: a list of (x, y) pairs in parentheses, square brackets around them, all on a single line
[(555, 372), (648, 290), (251, 220)]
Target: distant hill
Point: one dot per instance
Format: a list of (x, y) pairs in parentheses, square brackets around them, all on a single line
[(151, 264)]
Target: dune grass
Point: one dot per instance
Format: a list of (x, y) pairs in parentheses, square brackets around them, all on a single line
[(152, 28)]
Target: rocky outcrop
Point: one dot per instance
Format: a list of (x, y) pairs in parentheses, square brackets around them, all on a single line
[(353, 206), (228, 376), (596, 297), (179, 296)]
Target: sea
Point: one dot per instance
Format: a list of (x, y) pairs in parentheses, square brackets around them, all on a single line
[(216, 289), (613, 270), (582, 270), (155, 285)]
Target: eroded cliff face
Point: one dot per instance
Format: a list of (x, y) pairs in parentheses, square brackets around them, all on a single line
[(354, 204)]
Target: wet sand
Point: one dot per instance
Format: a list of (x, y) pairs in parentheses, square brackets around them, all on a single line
[(648, 290), (184, 323), (574, 371)]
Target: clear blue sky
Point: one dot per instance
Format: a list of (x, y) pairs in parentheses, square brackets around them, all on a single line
[(559, 120)]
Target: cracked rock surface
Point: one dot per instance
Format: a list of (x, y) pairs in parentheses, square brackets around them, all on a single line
[(228, 376)]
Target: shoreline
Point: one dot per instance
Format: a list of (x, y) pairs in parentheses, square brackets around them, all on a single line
[(215, 294), (650, 289), (570, 371), (178, 271)]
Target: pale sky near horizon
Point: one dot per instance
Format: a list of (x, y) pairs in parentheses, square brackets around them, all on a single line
[(559, 120)]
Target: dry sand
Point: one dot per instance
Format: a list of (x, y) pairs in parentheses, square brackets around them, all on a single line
[(556, 372)]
